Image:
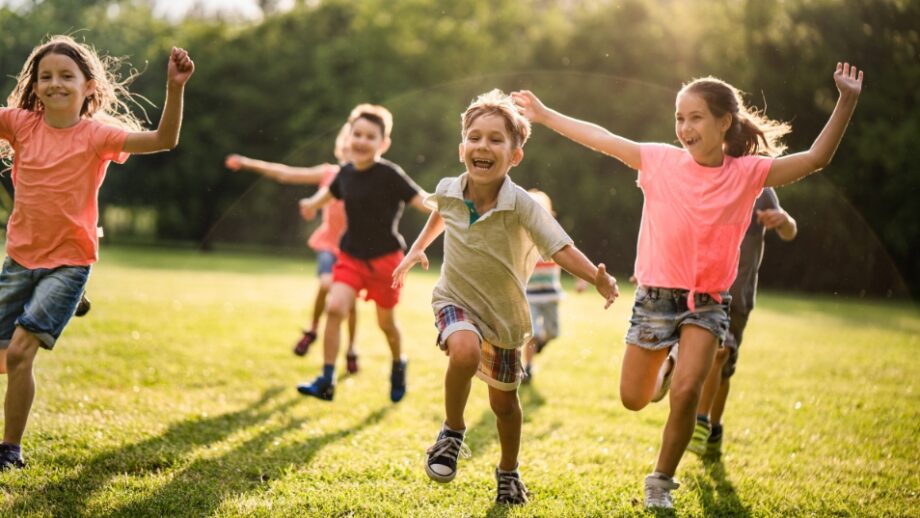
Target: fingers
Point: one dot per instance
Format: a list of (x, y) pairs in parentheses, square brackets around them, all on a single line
[(183, 62), (424, 262), (232, 162)]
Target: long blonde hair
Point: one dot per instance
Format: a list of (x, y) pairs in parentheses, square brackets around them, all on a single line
[(108, 104)]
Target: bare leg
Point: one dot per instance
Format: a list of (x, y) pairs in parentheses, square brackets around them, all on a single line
[(341, 298), (530, 350), (509, 417), (20, 391), (352, 330), (718, 406), (638, 375), (463, 352), (386, 319), (697, 350), (713, 383), (2, 361)]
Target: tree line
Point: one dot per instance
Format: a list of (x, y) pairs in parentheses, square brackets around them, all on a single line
[(279, 87)]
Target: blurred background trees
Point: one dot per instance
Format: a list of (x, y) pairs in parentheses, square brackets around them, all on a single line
[(278, 87)]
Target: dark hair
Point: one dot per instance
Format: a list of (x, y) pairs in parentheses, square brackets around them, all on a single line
[(751, 131), (373, 113)]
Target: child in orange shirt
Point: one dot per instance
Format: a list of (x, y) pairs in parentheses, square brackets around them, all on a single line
[(65, 121)]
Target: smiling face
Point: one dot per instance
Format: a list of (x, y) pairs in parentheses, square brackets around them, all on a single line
[(699, 131), (61, 86), (488, 150), (366, 143)]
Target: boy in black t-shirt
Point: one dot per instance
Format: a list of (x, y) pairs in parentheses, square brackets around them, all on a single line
[(375, 191)]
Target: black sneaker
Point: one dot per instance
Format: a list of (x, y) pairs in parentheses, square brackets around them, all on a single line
[(441, 464), (303, 345), (511, 489), (10, 459), (398, 381), (321, 388), (83, 306)]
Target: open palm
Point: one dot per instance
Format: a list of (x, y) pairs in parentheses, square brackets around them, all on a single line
[(848, 78)]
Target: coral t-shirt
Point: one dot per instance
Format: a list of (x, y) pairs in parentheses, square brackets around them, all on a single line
[(57, 174), (327, 236), (694, 217)]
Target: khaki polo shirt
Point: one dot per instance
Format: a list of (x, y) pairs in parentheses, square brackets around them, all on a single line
[(487, 264)]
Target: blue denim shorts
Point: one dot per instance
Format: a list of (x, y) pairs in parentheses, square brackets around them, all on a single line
[(658, 314), (325, 260), (40, 301)]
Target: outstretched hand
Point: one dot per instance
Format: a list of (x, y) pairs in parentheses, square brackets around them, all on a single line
[(180, 67), (410, 260), (606, 285), (528, 104), (234, 162), (848, 79)]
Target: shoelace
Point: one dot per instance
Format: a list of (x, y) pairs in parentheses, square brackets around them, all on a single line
[(511, 488), (658, 495), (450, 447)]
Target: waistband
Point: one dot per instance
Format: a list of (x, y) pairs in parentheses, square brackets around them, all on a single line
[(693, 298)]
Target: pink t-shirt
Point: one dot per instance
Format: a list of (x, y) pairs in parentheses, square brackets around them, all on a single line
[(56, 174), (694, 217), (329, 233)]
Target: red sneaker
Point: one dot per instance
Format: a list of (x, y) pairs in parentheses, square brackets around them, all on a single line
[(351, 363), (304, 344)]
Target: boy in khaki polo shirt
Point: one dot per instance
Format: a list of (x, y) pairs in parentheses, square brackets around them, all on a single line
[(494, 234)]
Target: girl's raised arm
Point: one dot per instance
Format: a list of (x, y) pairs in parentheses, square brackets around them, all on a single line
[(789, 168), (585, 133), (281, 173), (166, 136)]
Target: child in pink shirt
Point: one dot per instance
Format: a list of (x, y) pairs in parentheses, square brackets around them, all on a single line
[(324, 240), (698, 201), (65, 121)]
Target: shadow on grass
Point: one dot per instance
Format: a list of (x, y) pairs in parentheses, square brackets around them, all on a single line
[(484, 431), (202, 485), (717, 495)]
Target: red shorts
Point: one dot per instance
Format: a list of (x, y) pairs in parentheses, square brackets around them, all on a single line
[(373, 275)]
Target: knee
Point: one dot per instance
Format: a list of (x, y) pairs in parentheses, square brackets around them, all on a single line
[(685, 394), (506, 406), (633, 401), (336, 309), (464, 354), (17, 359)]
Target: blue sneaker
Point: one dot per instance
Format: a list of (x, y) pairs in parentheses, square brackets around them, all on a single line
[(10, 459), (321, 388), (398, 381)]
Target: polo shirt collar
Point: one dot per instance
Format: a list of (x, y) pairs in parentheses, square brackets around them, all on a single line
[(505, 192)]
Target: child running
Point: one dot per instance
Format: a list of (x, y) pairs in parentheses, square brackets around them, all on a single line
[(767, 215), (324, 240), (375, 192), (544, 290), (65, 121), (494, 235), (698, 202)]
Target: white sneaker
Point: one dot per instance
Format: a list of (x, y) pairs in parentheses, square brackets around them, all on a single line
[(664, 375), (658, 491)]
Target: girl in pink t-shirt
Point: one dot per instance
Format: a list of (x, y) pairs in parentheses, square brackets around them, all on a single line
[(64, 122), (324, 240), (698, 201)]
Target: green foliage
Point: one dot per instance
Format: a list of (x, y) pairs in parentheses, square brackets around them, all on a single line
[(175, 396), (279, 88)]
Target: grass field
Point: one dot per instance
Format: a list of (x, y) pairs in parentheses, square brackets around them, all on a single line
[(175, 397)]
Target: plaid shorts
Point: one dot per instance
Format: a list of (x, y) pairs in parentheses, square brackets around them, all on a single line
[(498, 367)]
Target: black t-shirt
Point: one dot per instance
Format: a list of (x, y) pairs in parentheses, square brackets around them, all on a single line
[(374, 200)]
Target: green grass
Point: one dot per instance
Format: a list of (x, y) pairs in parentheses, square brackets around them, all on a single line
[(175, 397)]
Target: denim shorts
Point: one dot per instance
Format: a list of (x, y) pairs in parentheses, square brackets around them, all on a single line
[(733, 342), (40, 301), (544, 316), (325, 260), (658, 314)]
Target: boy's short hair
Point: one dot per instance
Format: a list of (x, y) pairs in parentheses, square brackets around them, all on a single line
[(374, 113), (496, 102)]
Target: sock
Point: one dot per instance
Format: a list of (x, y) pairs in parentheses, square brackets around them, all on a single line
[(398, 364), (329, 371), (716, 432), (515, 470), (702, 419), (13, 448), (462, 431), (658, 474)]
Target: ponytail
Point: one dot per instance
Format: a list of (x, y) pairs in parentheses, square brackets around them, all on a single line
[(751, 132)]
